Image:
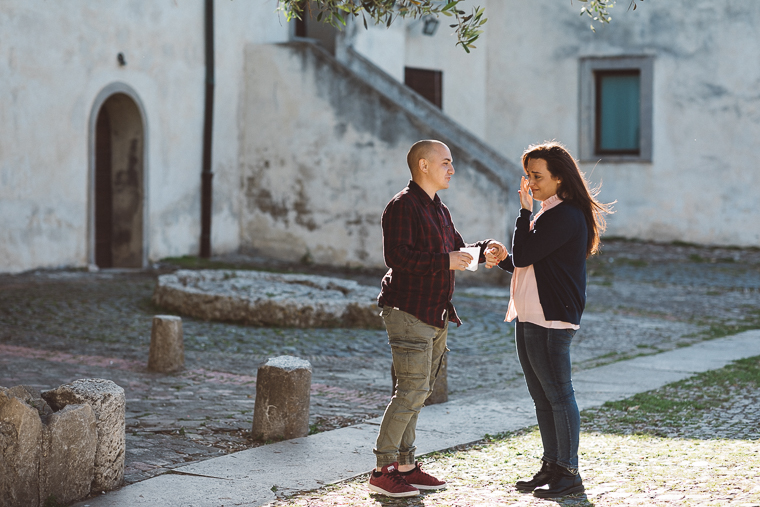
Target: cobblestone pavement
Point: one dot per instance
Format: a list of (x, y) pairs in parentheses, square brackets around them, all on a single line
[(57, 326)]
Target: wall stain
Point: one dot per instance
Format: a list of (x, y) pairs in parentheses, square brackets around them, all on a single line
[(304, 215), (261, 199), (358, 225)]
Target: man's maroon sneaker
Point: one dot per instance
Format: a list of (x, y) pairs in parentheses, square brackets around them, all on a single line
[(422, 480), (390, 482)]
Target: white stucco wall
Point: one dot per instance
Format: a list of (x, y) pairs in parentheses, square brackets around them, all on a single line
[(701, 184), (404, 45), (56, 57), (386, 47), (319, 172)]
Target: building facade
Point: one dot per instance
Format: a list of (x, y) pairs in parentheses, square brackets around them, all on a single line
[(107, 99), (102, 113), (661, 106)]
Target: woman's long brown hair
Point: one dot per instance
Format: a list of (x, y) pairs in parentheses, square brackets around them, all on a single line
[(573, 188)]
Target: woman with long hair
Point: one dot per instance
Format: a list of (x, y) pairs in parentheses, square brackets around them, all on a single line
[(547, 297)]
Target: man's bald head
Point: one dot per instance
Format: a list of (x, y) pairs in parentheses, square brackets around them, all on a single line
[(421, 150)]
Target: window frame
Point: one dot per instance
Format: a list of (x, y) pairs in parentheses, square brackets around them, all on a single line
[(590, 67), (435, 83)]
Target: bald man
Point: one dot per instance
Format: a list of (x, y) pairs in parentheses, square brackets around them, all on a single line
[(421, 248)]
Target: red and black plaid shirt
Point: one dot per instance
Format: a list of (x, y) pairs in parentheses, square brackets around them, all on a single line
[(418, 235)]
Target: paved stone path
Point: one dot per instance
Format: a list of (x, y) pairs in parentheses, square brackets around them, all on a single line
[(57, 326)]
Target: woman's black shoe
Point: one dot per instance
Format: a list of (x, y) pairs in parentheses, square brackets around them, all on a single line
[(565, 482), (542, 478)]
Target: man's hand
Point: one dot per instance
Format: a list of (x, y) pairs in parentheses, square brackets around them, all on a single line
[(495, 253), (459, 260)]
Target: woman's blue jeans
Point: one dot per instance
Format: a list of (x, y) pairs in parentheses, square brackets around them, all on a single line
[(545, 359)]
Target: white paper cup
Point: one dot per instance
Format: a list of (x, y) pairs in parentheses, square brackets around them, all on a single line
[(475, 252)]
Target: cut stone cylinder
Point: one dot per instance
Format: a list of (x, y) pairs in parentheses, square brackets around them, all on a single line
[(167, 347), (108, 402), (67, 463), (283, 387), (440, 392), (20, 449)]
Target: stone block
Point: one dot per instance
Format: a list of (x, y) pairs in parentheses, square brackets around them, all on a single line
[(20, 449), (108, 402), (31, 396), (440, 392), (167, 347), (283, 388), (67, 463), (269, 299)]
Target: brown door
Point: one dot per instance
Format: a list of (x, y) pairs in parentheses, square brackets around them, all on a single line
[(119, 184)]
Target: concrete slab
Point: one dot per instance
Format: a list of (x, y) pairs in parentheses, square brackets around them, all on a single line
[(623, 379), (175, 489), (704, 356), (249, 477), (290, 465)]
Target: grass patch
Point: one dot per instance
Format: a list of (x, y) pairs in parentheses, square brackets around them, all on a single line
[(649, 403), (193, 262), (714, 328), (677, 407), (747, 323), (697, 258), (745, 372)]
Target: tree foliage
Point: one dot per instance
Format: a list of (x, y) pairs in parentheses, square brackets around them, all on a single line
[(599, 10), (468, 27)]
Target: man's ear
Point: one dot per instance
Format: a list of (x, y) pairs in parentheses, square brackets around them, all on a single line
[(422, 164)]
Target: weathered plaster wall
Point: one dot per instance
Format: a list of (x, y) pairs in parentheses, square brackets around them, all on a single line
[(55, 58), (237, 24), (323, 153), (701, 185)]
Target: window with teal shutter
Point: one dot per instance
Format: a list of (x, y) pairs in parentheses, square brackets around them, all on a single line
[(618, 112), (616, 109)]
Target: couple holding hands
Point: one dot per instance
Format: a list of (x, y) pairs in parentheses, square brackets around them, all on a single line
[(421, 247)]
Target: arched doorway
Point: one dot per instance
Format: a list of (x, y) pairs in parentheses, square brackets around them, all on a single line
[(119, 195)]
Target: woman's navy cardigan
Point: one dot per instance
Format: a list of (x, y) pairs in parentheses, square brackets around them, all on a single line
[(557, 249)]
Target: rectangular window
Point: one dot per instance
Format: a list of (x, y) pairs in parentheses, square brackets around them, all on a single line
[(618, 112), (616, 109), (428, 83)]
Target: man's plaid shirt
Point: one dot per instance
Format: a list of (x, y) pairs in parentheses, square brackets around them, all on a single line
[(418, 235)]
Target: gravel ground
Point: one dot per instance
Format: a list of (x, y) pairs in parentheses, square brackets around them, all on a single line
[(60, 325), (692, 443)]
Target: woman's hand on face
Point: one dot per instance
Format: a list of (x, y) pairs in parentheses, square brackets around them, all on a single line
[(526, 200)]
